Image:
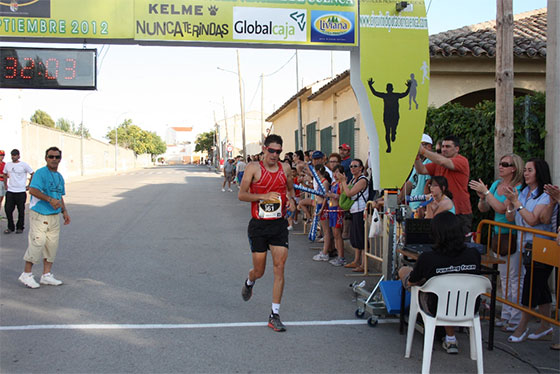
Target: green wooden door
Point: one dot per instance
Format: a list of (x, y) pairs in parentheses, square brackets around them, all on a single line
[(297, 140), (326, 141), (310, 136), (346, 134)]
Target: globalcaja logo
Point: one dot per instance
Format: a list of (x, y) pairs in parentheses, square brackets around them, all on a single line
[(25, 8), (284, 25), (333, 27)]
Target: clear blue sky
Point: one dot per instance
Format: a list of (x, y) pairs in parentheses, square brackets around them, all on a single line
[(161, 86)]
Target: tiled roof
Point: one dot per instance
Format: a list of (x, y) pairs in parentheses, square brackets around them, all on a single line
[(298, 94), (331, 83), (529, 38)]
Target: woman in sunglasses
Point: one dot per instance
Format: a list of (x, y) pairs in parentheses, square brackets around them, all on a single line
[(510, 172), (533, 208), (357, 190)]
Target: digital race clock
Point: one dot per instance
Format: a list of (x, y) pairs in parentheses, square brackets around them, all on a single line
[(70, 69)]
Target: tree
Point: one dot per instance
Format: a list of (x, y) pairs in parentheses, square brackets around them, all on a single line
[(78, 130), (65, 125), (42, 118), (140, 141), (204, 142)]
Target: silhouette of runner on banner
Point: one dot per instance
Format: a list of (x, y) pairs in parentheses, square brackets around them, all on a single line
[(390, 109)]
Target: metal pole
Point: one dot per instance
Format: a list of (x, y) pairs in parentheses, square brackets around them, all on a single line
[(262, 110), (300, 124), (241, 99), (116, 144), (226, 126)]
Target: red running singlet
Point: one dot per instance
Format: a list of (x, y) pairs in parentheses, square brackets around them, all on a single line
[(269, 182)]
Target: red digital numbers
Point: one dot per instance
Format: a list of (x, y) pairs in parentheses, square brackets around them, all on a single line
[(31, 68), (13, 68)]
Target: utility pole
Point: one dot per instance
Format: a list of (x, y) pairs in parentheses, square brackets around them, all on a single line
[(300, 124), (552, 142), (262, 109), (503, 137), (242, 107), (226, 126)]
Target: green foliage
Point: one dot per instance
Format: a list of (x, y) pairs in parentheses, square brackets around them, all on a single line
[(140, 141), (64, 125), (70, 127), (476, 128), (204, 142), (42, 118)]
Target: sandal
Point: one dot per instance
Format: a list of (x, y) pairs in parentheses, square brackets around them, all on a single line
[(358, 269), (7, 231), (351, 265), (515, 339), (545, 335)]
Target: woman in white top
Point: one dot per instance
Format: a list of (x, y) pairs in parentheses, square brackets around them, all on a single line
[(358, 191)]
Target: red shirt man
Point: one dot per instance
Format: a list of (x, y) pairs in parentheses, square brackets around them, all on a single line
[(268, 186), (455, 168)]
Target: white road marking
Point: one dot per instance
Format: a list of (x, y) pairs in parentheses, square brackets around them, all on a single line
[(100, 326)]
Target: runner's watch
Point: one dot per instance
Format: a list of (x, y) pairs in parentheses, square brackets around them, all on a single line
[(521, 207)]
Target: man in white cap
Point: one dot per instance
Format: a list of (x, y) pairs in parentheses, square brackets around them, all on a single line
[(416, 184)]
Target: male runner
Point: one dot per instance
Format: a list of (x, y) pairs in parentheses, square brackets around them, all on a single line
[(268, 187)]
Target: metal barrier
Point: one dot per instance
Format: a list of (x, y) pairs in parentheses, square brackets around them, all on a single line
[(373, 247), (545, 251)]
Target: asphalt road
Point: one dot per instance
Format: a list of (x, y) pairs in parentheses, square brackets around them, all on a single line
[(153, 264)]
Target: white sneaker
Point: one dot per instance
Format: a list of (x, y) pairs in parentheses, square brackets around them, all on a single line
[(50, 280), (28, 280), (223, 190), (321, 257), (230, 190), (290, 228), (338, 261)]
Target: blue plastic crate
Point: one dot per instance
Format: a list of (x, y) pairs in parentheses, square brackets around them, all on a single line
[(391, 291)]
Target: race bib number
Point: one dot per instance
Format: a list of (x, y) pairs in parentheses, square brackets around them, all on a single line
[(270, 208)]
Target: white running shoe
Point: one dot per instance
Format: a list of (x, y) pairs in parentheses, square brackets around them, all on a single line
[(230, 190), (321, 257), (338, 261), (28, 280), (223, 190), (50, 280)]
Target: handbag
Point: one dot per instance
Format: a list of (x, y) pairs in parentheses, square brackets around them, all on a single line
[(504, 243), (345, 202), (375, 227)]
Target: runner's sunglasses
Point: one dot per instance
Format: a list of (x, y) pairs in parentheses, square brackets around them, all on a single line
[(54, 156), (271, 150), (506, 165)]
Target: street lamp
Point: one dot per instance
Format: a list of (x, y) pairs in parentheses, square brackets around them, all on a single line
[(82, 134), (241, 102), (117, 140)]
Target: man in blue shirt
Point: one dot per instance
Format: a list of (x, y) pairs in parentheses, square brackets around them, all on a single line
[(46, 190)]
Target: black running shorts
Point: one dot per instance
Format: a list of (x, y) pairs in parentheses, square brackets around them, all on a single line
[(263, 233)]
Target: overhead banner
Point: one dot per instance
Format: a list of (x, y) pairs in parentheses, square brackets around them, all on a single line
[(310, 22), (394, 70), (91, 19), (272, 22)]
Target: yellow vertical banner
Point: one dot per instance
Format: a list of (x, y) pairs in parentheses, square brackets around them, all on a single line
[(394, 69)]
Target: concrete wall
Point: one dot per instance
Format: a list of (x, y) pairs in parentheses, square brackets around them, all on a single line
[(99, 157)]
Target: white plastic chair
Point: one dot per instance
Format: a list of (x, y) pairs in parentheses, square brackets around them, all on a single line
[(457, 294)]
